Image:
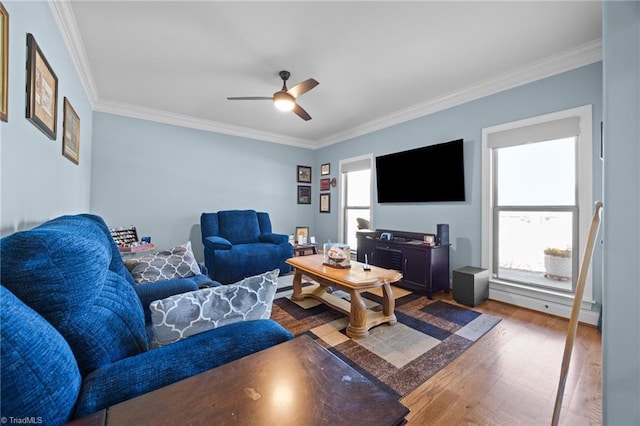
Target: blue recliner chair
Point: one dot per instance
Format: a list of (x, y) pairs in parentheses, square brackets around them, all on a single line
[(240, 243)]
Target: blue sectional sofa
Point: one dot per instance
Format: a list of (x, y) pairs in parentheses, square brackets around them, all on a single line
[(74, 336), (240, 243)]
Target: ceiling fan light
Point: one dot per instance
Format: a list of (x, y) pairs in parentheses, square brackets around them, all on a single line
[(283, 101)]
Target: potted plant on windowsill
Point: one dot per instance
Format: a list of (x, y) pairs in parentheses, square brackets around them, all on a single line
[(557, 263)]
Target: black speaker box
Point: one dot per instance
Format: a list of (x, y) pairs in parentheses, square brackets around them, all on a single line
[(442, 236)]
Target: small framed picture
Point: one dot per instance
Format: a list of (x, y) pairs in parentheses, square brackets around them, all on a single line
[(325, 203), (70, 133), (325, 169), (4, 65), (302, 233), (325, 184), (304, 194), (42, 90), (304, 174)]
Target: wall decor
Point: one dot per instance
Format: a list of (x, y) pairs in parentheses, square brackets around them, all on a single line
[(325, 184), (325, 169), (301, 231), (71, 133), (304, 194), (325, 203), (304, 174), (334, 182), (4, 65), (42, 90)]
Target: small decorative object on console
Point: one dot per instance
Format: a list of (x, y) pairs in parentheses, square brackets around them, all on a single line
[(337, 255)]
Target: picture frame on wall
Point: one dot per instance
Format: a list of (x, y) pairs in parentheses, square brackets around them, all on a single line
[(325, 184), (325, 169), (42, 90), (304, 174), (4, 66), (304, 194), (70, 133), (325, 203)]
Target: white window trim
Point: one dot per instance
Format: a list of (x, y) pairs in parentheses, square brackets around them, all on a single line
[(341, 196), (556, 303)]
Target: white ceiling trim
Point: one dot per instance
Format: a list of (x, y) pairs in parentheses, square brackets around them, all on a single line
[(566, 61), (66, 20), (574, 58), (164, 117)]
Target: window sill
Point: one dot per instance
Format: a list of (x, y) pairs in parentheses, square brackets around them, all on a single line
[(540, 299)]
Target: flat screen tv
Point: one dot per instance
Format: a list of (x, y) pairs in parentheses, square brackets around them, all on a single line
[(433, 173)]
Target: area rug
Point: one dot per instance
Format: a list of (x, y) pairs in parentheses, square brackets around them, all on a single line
[(428, 336)]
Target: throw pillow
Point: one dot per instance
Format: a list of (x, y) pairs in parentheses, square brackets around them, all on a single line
[(178, 262), (183, 315)]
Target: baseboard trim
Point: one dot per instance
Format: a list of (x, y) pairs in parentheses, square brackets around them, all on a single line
[(553, 308)]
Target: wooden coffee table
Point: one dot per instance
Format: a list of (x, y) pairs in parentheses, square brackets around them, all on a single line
[(294, 383), (353, 280)]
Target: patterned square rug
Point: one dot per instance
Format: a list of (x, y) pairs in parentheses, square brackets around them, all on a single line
[(428, 336)]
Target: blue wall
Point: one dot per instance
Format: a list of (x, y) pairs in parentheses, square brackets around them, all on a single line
[(37, 182), (160, 178), (567, 90), (621, 300)]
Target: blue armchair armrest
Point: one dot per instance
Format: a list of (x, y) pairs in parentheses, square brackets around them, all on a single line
[(273, 238), (217, 243), (146, 372)]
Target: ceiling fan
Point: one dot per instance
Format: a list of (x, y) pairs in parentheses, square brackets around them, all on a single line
[(285, 99)]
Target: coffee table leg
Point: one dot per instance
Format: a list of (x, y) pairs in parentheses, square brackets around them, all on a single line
[(357, 317), (388, 303), (297, 286)]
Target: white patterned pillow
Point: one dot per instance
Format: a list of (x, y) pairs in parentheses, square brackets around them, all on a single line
[(177, 262), (183, 315)]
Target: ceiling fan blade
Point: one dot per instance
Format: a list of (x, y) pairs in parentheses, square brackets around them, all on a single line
[(250, 98), (303, 87), (300, 112)]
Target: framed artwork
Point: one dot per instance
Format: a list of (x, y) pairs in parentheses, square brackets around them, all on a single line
[(42, 90), (325, 203), (71, 133), (325, 169), (325, 184), (302, 231), (304, 194), (4, 66), (304, 174)]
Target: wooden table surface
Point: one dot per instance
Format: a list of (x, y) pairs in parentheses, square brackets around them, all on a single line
[(295, 383), (355, 277)]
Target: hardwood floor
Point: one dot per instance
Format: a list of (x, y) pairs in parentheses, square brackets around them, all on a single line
[(510, 376)]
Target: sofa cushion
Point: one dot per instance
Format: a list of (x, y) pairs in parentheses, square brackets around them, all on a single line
[(177, 262), (61, 270), (40, 377), (183, 315), (239, 226)]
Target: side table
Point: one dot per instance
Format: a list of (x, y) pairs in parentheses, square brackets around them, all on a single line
[(305, 249)]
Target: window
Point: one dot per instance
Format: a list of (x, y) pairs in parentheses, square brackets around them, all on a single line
[(355, 197), (537, 200), (535, 212)]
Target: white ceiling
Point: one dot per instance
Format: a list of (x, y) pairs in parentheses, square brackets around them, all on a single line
[(378, 63)]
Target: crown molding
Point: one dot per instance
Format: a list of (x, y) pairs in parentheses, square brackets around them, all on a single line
[(66, 21), (582, 55), (164, 117), (556, 64)]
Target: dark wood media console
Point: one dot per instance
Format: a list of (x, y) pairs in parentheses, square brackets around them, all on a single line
[(425, 269)]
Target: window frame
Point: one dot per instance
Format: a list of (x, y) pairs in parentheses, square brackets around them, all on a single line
[(524, 295), (343, 167)]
